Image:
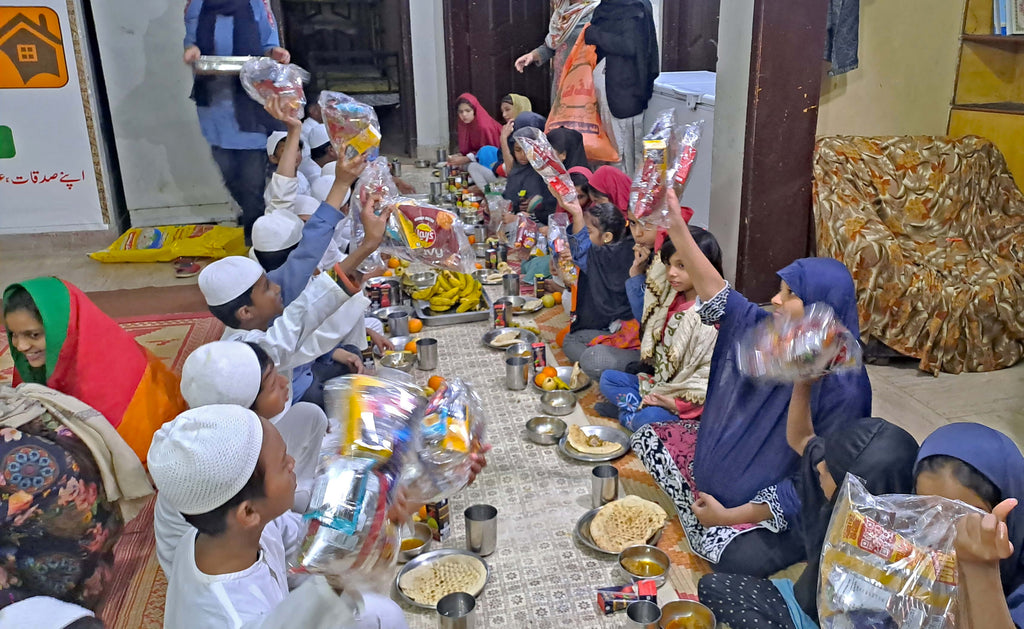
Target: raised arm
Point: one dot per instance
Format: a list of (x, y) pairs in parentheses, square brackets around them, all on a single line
[(706, 279), (799, 426), (373, 234)]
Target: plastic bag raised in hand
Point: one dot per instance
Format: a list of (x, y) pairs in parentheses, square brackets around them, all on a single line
[(684, 154), (647, 193), (558, 236), (453, 428), (545, 161), (786, 349), (526, 233), (262, 77), (351, 125), (420, 232), (889, 561)]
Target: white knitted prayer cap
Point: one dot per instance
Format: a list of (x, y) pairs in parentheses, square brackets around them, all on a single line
[(318, 136), (276, 230), (41, 612), (227, 278), (320, 188), (204, 457), (273, 140), (222, 372), (305, 205)]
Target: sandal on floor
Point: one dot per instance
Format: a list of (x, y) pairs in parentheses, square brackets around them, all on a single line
[(186, 267)]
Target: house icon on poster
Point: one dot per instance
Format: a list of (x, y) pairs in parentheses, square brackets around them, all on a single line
[(31, 48)]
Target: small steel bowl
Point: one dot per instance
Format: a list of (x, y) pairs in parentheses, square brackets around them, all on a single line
[(422, 163), (480, 249), (382, 313), (558, 402), (519, 348), (398, 341), (545, 431), (423, 279), (421, 532), (687, 615), (645, 553), (402, 361)]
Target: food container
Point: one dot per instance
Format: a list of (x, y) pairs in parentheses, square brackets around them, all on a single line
[(386, 287), (545, 431), (411, 533), (212, 64), (644, 562), (398, 341), (558, 402), (519, 348), (687, 615), (402, 361)]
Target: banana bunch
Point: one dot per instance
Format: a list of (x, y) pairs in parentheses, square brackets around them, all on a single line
[(452, 290)]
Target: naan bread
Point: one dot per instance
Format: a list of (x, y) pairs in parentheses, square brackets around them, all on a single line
[(590, 444), (506, 338), (630, 521), (533, 304), (576, 379), (430, 583)]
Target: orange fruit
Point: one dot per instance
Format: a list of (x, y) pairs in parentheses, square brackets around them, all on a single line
[(539, 379), (394, 263), (411, 347), (472, 239), (557, 296), (479, 266), (389, 273), (435, 382), (549, 372), (415, 325)]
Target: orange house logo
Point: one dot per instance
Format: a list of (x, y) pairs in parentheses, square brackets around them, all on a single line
[(31, 49)]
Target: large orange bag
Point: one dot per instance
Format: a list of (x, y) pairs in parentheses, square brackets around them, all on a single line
[(576, 106)]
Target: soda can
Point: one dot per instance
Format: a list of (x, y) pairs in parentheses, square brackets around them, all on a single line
[(373, 294), (492, 258), (500, 316), (540, 360), (538, 285)]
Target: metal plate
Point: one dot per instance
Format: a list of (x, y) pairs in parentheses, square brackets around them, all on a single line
[(518, 302), (382, 313), (481, 276), (430, 557), (211, 64), (608, 433), (565, 374), (583, 536), (524, 335), (429, 317)]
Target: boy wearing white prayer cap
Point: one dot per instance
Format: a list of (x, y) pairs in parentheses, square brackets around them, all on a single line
[(227, 471), (232, 372), (281, 185)]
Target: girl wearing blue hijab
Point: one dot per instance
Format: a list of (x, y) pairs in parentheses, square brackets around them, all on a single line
[(741, 470), (984, 468)]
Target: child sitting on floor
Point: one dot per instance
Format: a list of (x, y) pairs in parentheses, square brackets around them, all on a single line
[(230, 372), (673, 341), (228, 473)]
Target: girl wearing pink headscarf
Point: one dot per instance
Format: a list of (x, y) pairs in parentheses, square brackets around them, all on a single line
[(477, 129)]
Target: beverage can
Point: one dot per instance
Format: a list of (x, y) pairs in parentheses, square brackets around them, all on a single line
[(500, 316), (539, 355), (492, 258), (538, 285)]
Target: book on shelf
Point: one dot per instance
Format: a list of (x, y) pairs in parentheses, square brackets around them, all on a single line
[(1015, 18)]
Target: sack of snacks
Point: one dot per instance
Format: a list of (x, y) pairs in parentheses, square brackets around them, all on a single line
[(647, 193), (262, 77), (684, 154), (889, 561), (351, 125), (420, 232), (784, 349), (453, 427), (545, 161), (558, 236), (167, 242)]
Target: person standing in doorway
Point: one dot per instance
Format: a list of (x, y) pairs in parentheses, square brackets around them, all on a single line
[(235, 126), (568, 17), (628, 62)]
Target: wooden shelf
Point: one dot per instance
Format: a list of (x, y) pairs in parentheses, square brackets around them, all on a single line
[(992, 108), (996, 40)]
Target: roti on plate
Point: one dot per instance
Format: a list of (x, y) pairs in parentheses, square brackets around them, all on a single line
[(590, 444), (429, 583), (506, 338), (630, 521)]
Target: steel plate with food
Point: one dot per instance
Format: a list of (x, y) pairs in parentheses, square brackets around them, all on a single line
[(565, 379), (594, 444), (501, 338), (629, 521), (430, 577)]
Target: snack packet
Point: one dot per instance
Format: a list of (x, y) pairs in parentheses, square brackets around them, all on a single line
[(558, 236), (526, 233), (647, 193), (545, 161), (787, 350), (684, 154), (420, 232), (262, 77), (453, 427), (375, 180), (351, 125), (889, 561), (497, 208)]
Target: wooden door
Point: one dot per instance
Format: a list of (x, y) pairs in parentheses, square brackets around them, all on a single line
[(483, 38), (689, 35)]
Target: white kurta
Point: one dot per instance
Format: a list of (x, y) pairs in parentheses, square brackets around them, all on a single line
[(281, 191)]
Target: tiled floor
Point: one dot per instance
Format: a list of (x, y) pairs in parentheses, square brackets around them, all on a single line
[(902, 394)]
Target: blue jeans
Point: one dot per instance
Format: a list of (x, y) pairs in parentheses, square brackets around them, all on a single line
[(623, 390), (245, 175)]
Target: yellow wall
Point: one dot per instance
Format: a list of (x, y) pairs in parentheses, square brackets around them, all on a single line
[(908, 56)]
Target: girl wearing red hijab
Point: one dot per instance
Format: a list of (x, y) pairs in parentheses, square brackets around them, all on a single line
[(477, 129), (610, 185)]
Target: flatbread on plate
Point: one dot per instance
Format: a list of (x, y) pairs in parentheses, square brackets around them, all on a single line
[(429, 583), (626, 522), (590, 444)]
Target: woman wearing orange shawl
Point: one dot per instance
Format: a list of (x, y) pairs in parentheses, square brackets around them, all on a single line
[(62, 340)]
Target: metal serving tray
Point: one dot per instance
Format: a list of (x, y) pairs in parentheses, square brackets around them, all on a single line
[(211, 64), (429, 317)]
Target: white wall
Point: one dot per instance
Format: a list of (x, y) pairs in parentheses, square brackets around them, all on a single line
[(734, 35), (429, 75)]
